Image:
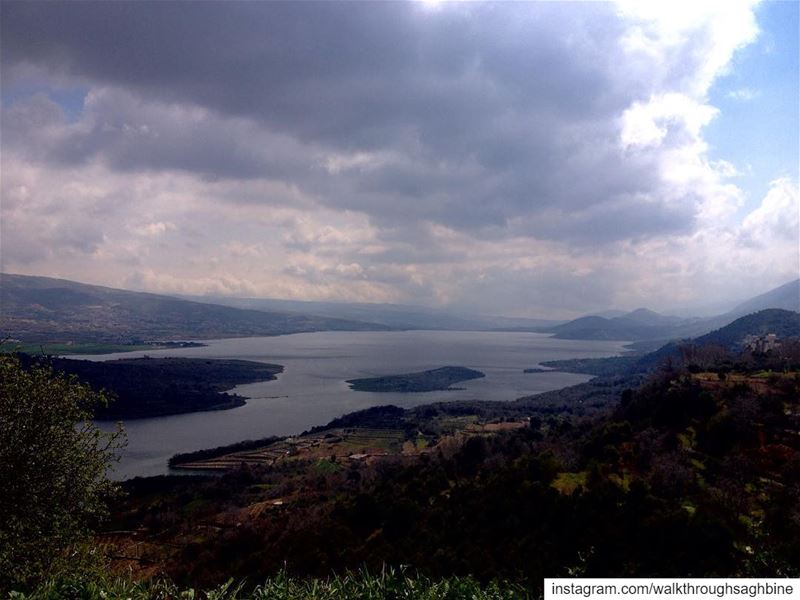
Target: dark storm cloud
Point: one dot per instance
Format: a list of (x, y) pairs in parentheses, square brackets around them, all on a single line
[(340, 71), (130, 135), (484, 113)]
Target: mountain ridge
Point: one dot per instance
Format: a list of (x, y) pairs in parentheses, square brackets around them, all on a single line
[(35, 309)]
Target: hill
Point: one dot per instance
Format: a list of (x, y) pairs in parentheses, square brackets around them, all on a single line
[(783, 323), (646, 316), (617, 328), (41, 309)]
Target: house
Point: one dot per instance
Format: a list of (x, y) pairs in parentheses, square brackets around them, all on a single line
[(761, 343)]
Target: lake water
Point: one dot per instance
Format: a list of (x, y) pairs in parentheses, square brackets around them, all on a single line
[(312, 390)]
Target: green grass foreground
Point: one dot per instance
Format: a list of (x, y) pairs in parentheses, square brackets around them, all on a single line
[(389, 584)]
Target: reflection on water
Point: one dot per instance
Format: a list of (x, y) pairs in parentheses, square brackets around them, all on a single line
[(312, 390)]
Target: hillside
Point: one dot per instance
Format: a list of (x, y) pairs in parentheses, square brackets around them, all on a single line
[(41, 309), (786, 297), (783, 323)]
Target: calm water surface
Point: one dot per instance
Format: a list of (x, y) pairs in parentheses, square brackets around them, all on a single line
[(312, 390)]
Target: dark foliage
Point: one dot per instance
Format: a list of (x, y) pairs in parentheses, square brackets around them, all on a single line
[(148, 387)]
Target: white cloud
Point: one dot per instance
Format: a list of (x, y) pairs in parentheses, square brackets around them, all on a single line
[(777, 220), (744, 94)]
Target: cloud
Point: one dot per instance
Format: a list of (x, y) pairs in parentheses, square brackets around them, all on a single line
[(776, 222), (551, 152), (744, 94), (466, 117), (154, 229)]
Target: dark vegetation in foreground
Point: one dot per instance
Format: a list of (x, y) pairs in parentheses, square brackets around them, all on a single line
[(53, 465), (422, 381), (149, 387)]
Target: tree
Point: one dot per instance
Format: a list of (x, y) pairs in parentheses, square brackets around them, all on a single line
[(53, 469)]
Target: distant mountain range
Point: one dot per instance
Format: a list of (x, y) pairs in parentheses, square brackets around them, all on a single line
[(643, 324), (41, 309), (396, 316)]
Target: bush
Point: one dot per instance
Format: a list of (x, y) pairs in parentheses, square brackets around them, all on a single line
[(53, 463)]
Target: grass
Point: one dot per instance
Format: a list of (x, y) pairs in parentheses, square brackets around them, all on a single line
[(388, 584)]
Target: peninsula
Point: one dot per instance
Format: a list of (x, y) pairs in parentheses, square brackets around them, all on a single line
[(156, 387)]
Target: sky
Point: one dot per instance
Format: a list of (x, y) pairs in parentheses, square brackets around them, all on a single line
[(543, 159)]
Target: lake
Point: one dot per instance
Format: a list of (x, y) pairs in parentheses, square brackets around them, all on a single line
[(312, 390)]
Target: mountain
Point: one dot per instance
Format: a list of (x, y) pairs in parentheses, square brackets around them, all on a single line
[(644, 316), (608, 314), (396, 316), (786, 297), (640, 327), (643, 324), (41, 309)]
